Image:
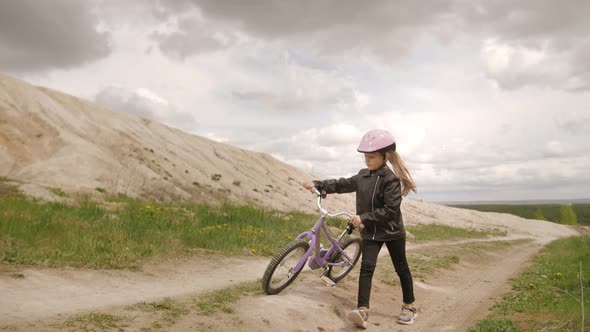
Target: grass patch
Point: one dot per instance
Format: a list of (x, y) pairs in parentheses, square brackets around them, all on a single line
[(222, 300), (431, 232), (169, 309), (120, 198), (547, 295), (488, 325), (425, 264), (89, 235), (564, 213), (93, 321), (7, 188), (58, 192), (388, 277), (422, 264)]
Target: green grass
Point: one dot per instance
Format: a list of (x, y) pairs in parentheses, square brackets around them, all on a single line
[(427, 264), (6, 188), (222, 300), (495, 325), (549, 212), (58, 192), (169, 309), (165, 313), (89, 235), (93, 321), (431, 232), (125, 232), (422, 265), (547, 295)]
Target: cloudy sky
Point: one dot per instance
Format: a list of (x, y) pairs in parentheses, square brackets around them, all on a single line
[(488, 100)]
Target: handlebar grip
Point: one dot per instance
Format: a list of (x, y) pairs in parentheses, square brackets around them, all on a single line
[(322, 193), (351, 228)]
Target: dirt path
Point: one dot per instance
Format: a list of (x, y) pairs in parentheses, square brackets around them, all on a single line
[(456, 299), (450, 301), (48, 292)]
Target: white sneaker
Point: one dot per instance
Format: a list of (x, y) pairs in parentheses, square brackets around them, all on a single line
[(359, 317), (408, 315)]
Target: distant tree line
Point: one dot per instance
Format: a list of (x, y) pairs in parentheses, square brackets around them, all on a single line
[(569, 214)]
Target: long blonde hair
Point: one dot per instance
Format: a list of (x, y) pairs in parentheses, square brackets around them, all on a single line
[(400, 169)]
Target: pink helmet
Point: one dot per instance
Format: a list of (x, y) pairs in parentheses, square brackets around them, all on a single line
[(375, 140)]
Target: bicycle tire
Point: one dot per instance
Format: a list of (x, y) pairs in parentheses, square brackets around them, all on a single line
[(271, 288), (340, 274)]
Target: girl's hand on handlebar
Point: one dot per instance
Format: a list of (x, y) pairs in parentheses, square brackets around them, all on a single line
[(356, 221), (309, 185)]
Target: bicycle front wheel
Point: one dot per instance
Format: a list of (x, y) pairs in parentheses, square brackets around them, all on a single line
[(280, 272), (352, 248)]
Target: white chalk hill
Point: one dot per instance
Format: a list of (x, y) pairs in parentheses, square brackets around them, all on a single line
[(54, 140)]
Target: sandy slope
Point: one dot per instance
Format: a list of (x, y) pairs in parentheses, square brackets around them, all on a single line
[(54, 140)]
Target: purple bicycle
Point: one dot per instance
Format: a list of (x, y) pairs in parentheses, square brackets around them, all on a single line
[(337, 260)]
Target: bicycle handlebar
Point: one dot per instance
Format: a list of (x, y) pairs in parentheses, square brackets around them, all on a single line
[(325, 212)]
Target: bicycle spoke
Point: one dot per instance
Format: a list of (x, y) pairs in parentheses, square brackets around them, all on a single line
[(286, 268), (345, 260)]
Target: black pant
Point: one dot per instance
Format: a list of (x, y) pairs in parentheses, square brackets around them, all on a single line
[(397, 251)]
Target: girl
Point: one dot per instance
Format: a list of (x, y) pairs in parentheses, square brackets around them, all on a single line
[(378, 198)]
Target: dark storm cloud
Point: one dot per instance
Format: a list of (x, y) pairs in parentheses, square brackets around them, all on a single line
[(557, 34), (40, 35), (383, 28), (543, 42), (275, 19), (192, 37), (528, 20)]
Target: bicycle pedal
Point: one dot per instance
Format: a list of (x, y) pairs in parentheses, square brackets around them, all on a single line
[(327, 281)]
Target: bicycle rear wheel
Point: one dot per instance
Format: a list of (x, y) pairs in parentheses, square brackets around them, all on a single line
[(280, 272), (352, 248)]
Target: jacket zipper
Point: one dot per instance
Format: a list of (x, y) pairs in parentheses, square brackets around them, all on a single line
[(373, 206)]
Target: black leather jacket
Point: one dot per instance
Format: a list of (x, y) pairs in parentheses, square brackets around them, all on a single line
[(378, 201)]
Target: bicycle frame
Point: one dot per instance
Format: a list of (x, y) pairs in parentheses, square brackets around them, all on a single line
[(315, 234)]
